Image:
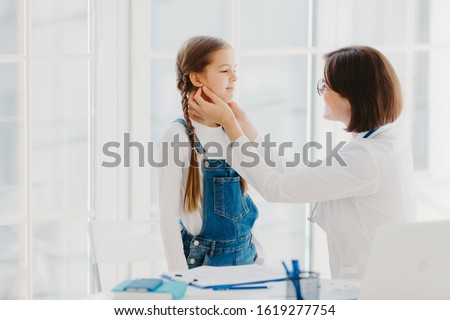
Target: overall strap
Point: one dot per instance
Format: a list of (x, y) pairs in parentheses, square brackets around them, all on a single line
[(198, 145)]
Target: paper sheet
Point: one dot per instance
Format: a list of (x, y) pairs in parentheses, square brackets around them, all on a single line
[(207, 276)]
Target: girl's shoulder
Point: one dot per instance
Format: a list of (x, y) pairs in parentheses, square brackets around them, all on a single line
[(175, 132)]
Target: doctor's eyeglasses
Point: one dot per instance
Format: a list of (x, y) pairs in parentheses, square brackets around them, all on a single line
[(321, 87)]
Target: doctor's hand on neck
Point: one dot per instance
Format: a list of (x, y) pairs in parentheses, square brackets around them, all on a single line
[(229, 115)]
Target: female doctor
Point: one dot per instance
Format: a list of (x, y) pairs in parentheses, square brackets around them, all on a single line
[(375, 184)]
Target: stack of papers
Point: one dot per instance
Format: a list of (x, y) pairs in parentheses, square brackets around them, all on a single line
[(207, 277)]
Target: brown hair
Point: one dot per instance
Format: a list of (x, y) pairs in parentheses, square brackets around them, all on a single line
[(365, 77), (194, 56)]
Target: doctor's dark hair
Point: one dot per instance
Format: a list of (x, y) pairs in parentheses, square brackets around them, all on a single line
[(365, 77), (194, 56)]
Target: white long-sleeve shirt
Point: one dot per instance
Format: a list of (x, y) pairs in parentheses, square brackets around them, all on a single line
[(172, 181), (375, 188)]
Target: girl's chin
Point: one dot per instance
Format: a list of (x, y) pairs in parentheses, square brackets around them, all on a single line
[(227, 97)]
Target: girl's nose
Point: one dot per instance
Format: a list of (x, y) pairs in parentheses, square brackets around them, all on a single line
[(234, 76)]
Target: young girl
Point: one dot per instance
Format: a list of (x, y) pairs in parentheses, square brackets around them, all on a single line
[(206, 215)]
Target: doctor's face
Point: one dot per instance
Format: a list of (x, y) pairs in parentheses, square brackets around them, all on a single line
[(220, 75), (336, 107)]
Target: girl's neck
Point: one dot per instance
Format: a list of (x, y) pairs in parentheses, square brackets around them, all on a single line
[(208, 123)]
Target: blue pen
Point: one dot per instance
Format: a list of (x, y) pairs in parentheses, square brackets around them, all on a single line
[(295, 268), (296, 279), (241, 288), (288, 273)]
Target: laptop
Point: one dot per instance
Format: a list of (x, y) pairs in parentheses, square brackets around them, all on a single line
[(409, 261)]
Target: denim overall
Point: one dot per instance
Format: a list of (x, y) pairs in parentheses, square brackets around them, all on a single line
[(228, 217)]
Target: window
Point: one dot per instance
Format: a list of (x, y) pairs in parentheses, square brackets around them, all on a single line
[(45, 141)]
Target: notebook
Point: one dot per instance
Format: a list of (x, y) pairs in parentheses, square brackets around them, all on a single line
[(143, 285), (168, 290), (409, 261)]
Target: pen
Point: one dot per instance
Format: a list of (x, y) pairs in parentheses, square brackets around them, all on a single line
[(295, 268), (241, 288), (288, 273), (296, 279)]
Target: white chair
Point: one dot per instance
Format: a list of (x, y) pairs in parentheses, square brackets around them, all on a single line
[(124, 241)]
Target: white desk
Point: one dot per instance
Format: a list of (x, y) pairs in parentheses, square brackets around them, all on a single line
[(330, 290)]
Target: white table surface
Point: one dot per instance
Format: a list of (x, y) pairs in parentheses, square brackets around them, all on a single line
[(330, 290)]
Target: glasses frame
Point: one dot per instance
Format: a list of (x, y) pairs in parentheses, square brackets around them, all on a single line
[(321, 87)]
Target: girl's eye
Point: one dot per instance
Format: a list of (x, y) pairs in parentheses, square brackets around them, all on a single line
[(224, 71)]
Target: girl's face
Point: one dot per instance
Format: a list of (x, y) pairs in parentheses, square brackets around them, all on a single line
[(336, 107), (220, 75)]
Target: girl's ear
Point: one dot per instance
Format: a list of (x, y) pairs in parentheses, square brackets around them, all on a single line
[(195, 79)]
